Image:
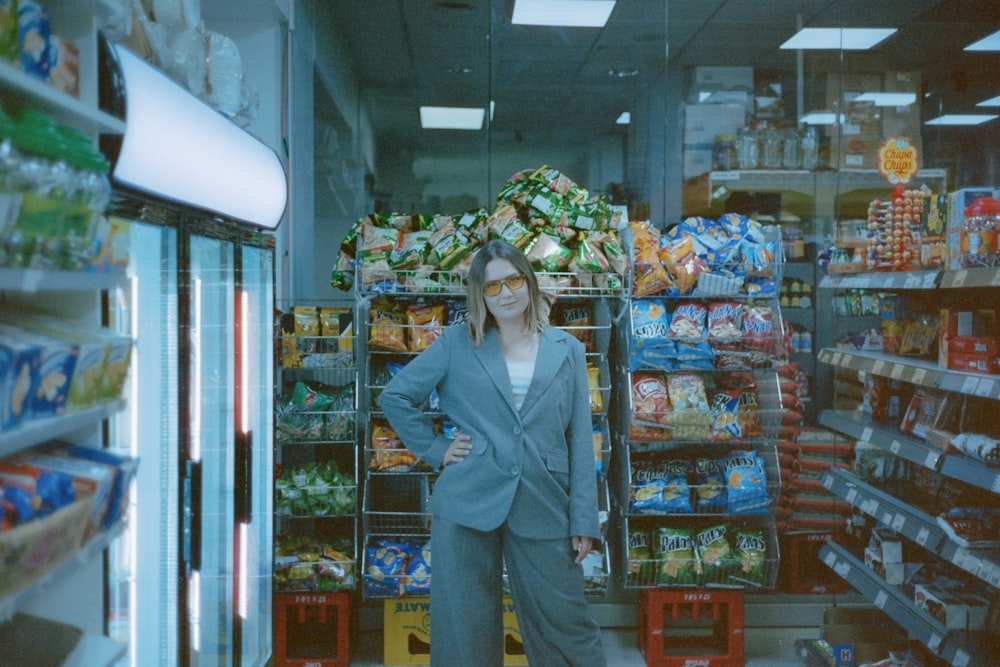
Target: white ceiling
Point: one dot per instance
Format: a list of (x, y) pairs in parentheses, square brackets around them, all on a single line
[(563, 83)]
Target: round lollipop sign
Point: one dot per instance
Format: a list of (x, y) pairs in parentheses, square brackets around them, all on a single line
[(898, 160)]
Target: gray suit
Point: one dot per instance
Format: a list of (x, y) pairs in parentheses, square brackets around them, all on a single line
[(528, 485)]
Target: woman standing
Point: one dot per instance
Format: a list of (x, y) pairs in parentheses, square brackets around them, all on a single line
[(517, 483)]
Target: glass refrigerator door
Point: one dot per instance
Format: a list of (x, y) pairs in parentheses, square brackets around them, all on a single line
[(211, 480), (255, 465)]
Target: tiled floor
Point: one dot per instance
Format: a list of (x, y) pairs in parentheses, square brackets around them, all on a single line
[(772, 647)]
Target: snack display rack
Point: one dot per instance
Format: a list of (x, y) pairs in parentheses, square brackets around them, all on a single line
[(925, 539), (316, 454), (672, 454), (397, 487)]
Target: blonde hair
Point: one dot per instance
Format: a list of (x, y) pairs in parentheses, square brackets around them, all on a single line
[(536, 317)]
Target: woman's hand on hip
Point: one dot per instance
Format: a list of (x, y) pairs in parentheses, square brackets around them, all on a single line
[(460, 447)]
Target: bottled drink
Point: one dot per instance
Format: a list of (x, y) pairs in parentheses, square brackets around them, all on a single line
[(790, 150), (810, 149)]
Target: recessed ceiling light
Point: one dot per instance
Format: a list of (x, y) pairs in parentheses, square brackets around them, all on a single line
[(564, 13), (988, 43), (625, 118), (821, 118), (452, 118), (961, 119), (992, 102), (888, 99), (847, 39)]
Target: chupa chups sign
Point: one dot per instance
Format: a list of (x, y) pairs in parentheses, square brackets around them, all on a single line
[(898, 160)]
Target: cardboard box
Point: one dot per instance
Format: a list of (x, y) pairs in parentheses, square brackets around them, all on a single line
[(886, 541), (20, 361), (702, 122), (407, 632), (34, 548), (942, 605)]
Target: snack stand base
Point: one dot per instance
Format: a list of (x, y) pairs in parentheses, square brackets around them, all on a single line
[(312, 630), (713, 618)]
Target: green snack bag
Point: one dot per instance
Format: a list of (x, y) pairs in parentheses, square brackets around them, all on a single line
[(750, 550), (715, 553), (640, 557), (677, 557)]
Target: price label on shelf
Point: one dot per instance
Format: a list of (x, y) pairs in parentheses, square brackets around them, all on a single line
[(969, 385), (961, 560), (866, 434), (898, 523), (843, 569), (895, 446), (934, 642), (911, 282), (881, 599), (878, 366), (930, 278), (985, 387), (835, 358), (995, 280), (851, 495), (931, 461), (958, 279), (961, 659), (919, 374), (887, 518), (830, 559), (872, 507), (828, 482), (897, 371), (922, 536)]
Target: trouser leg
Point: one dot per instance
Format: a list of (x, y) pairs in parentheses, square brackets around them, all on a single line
[(552, 613), (466, 596)]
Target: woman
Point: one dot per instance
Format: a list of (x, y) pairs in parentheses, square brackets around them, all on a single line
[(517, 482)]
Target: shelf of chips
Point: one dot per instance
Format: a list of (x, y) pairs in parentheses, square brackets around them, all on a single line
[(704, 553), (316, 455)]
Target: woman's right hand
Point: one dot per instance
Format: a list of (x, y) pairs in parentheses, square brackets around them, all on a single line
[(460, 447)]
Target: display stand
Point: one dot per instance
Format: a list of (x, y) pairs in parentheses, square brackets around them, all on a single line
[(703, 626), (312, 630)]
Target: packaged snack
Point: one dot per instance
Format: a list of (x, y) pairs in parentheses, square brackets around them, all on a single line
[(388, 453), (725, 408), (424, 323), (746, 483), (725, 320), (594, 384), (972, 526), (690, 415), (651, 346), (710, 486), (978, 446), (578, 318), (418, 571), (688, 321), (715, 554), (640, 556), (385, 567), (750, 551), (387, 331), (660, 488), (651, 407), (677, 557)]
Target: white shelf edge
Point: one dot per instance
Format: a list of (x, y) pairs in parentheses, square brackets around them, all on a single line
[(68, 108), (35, 432)]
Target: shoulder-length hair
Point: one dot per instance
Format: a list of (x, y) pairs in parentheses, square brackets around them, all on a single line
[(481, 320)]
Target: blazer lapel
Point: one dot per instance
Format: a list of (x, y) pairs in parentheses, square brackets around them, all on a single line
[(490, 355), (551, 352)]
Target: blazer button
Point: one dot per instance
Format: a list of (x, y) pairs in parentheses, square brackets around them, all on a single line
[(517, 430), (514, 470)]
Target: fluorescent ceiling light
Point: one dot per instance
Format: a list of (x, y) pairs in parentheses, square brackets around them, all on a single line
[(625, 118), (177, 147), (452, 118), (888, 99), (988, 43), (847, 39), (992, 102), (564, 13), (961, 119), (821, 118)]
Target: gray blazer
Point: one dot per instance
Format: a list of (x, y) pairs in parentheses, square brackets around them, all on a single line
[(533, 468)]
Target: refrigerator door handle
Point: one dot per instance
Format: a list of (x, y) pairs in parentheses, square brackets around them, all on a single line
[(244, 476), (192, 515)]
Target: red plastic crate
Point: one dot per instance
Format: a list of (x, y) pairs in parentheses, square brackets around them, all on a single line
[(693, 627), (312, 630)]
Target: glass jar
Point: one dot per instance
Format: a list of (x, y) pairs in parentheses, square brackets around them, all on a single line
[(979, 233), (748, 149), (772, 148), (810, 149), (724, 152), (790, 158)]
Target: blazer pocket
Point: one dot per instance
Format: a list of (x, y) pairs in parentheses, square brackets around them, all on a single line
[(557, 463)]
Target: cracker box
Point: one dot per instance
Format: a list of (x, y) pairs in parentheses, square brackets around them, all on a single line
[(20, 362), (942, 605), (91, 479), (55, 368)]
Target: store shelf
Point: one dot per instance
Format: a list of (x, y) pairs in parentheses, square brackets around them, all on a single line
[(916, 371), (17, 89), (38, 431), (915, 450), (971, 278), (915, 525), (890, 280), (33, 280), (18, 599), (958, 648)]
